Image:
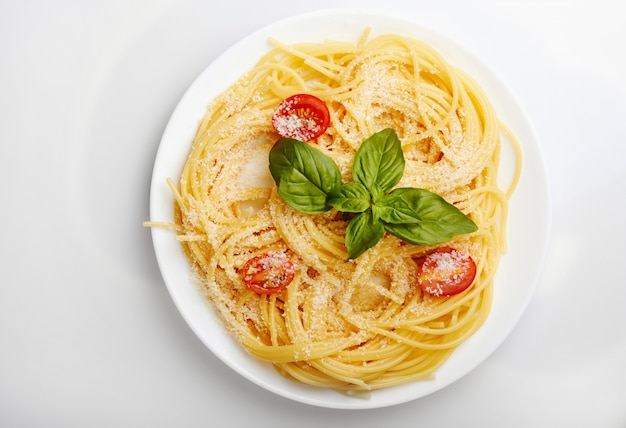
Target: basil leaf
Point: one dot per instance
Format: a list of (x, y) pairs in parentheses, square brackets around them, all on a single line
[(303, 174), (350, 198), (421, 217), (403, 205), (362, 234), (379, 161)]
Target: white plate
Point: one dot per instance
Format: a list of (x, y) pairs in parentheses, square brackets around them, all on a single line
[(528, 227)]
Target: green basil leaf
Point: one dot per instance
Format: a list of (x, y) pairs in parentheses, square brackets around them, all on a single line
[(376, 212), (379, 161), (376, 192), (303, 174), (403, 205), (350, 198), (362, 234), (421, 217)]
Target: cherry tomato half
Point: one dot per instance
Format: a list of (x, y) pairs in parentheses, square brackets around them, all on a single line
[(445, 272), (268, 273), (302, 117)]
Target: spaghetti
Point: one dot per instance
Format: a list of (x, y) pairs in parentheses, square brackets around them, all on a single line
[(352, 325)]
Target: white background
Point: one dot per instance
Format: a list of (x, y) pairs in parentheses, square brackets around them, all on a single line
[(89, 336)]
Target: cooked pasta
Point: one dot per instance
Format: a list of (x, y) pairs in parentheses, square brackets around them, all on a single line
[(359, 324)]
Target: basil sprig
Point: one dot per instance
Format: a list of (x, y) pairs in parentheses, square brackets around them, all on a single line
[(310, 182)]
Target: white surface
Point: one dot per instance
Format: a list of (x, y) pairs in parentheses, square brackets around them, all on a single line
[(89, 336), (517, 274)]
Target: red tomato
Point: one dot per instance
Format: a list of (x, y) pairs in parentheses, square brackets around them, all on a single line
[(268, 273), (302, 117), (445, 272)]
